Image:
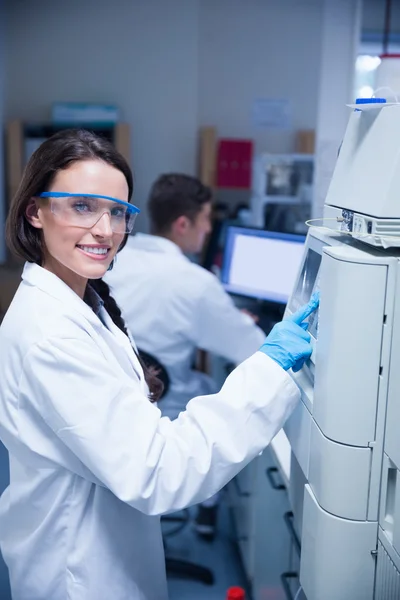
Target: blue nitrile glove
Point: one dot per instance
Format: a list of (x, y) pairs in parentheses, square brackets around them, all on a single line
[(288, 344)]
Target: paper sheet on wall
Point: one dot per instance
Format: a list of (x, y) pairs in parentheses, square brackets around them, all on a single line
[(271, 113)]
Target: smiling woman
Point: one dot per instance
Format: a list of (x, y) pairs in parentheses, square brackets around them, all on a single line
[(67, 229), (92, 462), (75, 233), (59, 160)]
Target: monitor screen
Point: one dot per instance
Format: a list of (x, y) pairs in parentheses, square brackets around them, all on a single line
[(261, 264), (307, 284)]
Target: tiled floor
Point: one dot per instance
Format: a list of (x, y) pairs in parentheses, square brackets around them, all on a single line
[(220, 556)]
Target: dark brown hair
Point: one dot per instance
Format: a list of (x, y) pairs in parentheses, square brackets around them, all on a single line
[(174, 195), (24, 240), (55, 154)]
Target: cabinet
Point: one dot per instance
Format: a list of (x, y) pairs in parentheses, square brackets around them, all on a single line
[(273, 571), (242, 501), (23, 138), (263, 524)]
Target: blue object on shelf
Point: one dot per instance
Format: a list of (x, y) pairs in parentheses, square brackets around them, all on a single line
[(370, 100)]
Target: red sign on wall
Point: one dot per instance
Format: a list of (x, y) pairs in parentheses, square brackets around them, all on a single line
[(234, 163)]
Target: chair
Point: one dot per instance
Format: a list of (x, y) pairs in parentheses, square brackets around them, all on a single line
[(176, 567)]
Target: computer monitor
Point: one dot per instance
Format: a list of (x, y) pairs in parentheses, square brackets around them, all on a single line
[(261, 264)]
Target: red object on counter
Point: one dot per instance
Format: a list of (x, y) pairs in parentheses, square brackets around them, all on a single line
[(235, 593)]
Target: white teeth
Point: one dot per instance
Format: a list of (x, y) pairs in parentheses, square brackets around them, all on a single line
[(93, 250)]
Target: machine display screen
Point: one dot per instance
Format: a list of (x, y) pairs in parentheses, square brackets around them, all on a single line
[(308, 283)]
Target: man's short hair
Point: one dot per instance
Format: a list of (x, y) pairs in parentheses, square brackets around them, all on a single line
[(174, 195)]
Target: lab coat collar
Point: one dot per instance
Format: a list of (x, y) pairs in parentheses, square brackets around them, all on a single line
[(55, 287), (154, 243)]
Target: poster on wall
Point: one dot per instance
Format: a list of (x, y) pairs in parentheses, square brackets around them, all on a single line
[(271, 113)]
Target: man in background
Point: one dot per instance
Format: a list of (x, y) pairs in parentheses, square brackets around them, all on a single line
[(173, 306)]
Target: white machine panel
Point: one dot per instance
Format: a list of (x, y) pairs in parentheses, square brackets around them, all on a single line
[(387, 585), (298, 431), (336, 559), (346, 388), (389, 517), (359, 183), (392, 445), (296, 494), (336, 432), (345, 479), (339, 476)]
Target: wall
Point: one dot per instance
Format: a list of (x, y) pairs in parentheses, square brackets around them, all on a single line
[(171, 66), (258, 49), (373, 17), (140, 54), (341, 21)]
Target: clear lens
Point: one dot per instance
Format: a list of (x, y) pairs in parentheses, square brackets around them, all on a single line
[(86, 211), (130, 222)]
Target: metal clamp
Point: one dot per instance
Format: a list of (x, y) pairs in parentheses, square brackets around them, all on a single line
[(288, 518), (270, 472), (285, 578)]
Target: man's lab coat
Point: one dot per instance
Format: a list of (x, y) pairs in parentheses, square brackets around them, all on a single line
[(172, 307)]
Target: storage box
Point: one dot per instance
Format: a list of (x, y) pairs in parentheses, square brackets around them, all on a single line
[(73, 113), (305, 141)]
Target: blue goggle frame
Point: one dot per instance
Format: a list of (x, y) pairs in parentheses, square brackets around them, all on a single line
[(131, 208)]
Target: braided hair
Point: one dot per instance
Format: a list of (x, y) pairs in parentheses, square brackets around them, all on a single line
[(155, 385)]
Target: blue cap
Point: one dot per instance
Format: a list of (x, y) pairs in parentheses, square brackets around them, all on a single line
[(370, 100)]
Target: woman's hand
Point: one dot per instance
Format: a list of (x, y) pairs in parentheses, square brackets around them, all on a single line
[(288, 344)]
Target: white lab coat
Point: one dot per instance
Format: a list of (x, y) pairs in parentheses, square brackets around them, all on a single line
[(93, 463), (173, 306)]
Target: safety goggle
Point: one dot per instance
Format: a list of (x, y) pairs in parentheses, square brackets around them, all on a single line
[(85, 210)]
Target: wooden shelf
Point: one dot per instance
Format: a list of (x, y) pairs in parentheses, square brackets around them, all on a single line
[(18, 132)]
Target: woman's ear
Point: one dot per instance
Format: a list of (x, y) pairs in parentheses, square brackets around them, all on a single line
[(32, 214)]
